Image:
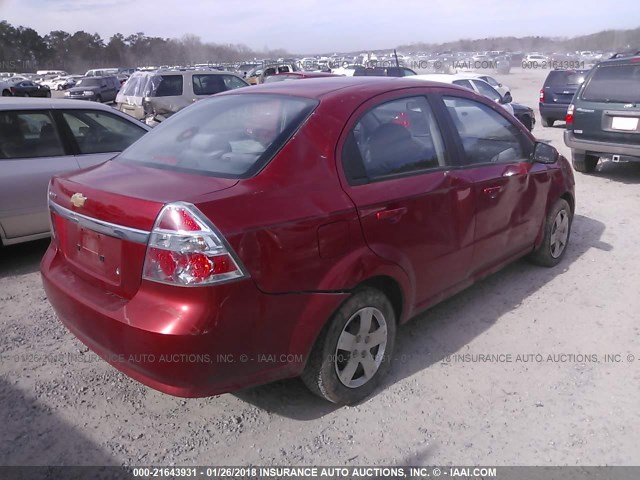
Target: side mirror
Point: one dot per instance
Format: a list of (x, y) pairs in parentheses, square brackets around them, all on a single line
[(506, 99), (545, 153)]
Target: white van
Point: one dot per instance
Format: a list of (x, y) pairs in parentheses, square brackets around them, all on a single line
[(101, 72), (57, 73)]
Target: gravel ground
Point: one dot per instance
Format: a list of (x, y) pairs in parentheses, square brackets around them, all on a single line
[(566, 407)]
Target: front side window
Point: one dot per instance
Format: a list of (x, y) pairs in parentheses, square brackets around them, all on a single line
[(28, 135), (393, 138), (487, 90), (487, 136), (227, 136), (232, 82), (100, 132)]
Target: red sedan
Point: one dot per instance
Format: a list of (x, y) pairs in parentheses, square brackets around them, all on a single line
[(288, 229)]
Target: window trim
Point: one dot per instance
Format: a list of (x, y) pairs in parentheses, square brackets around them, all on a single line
[(354, 120), (461, 161)]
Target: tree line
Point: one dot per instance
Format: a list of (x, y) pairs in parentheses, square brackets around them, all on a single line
[(22, 49), (607, 40)]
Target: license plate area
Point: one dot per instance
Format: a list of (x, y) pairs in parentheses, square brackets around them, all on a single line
[(97, 254), (626, 124)]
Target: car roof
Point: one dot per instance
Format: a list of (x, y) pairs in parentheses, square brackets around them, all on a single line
[(25, 103), (321, 87), (440, 77)]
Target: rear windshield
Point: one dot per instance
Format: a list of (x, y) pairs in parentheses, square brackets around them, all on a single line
[(565, 77), (614, 83), (90, 82), (230, 136)]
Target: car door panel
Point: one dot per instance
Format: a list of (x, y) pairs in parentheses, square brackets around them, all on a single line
[(31, 152), (422, 221), (23, 193), (507, 186)]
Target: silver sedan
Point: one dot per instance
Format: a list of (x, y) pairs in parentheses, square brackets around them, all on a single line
[(40, 138)]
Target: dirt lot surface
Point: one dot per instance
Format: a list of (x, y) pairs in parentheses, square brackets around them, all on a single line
[(567, 406)]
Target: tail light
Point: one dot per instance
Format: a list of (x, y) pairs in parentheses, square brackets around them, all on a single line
[(569, 117), (542, 95), (185, 249)]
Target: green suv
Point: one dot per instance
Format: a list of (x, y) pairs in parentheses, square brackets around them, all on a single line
[(603, 119)]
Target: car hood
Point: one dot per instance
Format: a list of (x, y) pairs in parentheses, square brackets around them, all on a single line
[(81, 89), (518, 107)]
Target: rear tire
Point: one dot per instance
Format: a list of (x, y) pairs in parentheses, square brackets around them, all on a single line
[(557, 230), (547, 122), (584, 163), (354, 350), (526, 121), (6, 93)]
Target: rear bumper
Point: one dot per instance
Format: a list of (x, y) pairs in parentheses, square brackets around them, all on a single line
[(604, 148), (553, 111), (190, 342)]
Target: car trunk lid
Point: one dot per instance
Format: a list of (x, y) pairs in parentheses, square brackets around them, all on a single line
[(102, 218)]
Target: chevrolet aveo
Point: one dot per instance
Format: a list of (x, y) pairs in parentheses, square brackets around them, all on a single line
[(288, 229)]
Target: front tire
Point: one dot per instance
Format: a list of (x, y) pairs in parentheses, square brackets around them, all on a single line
[(584, 163), (354, 350), (557, 230), (6, 93)]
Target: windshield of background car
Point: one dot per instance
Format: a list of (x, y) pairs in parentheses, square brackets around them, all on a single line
[(89, 82), (565, 77), (614, 83), (230, 136)]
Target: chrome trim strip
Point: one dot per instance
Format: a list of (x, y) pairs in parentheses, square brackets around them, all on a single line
[(100, 226)]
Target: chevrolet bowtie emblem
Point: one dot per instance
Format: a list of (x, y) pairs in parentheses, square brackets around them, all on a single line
[(77, 200)]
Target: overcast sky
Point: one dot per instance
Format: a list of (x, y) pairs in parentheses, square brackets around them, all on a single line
[(310, 26)]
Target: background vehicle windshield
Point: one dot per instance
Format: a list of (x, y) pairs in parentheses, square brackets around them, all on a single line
[(90, 82), (231, 136)]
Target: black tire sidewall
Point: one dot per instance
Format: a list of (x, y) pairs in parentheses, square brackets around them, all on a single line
[(320, 374), (542, 255)]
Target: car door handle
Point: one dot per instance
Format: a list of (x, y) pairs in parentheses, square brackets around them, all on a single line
[(491, 192), (391, 214)]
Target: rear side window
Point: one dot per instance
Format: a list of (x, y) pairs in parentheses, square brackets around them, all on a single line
[(487, 136), (167, 86), (28, 135), (614, 83), (228, 136), (396, 137), (208, 84), (463, 83)]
